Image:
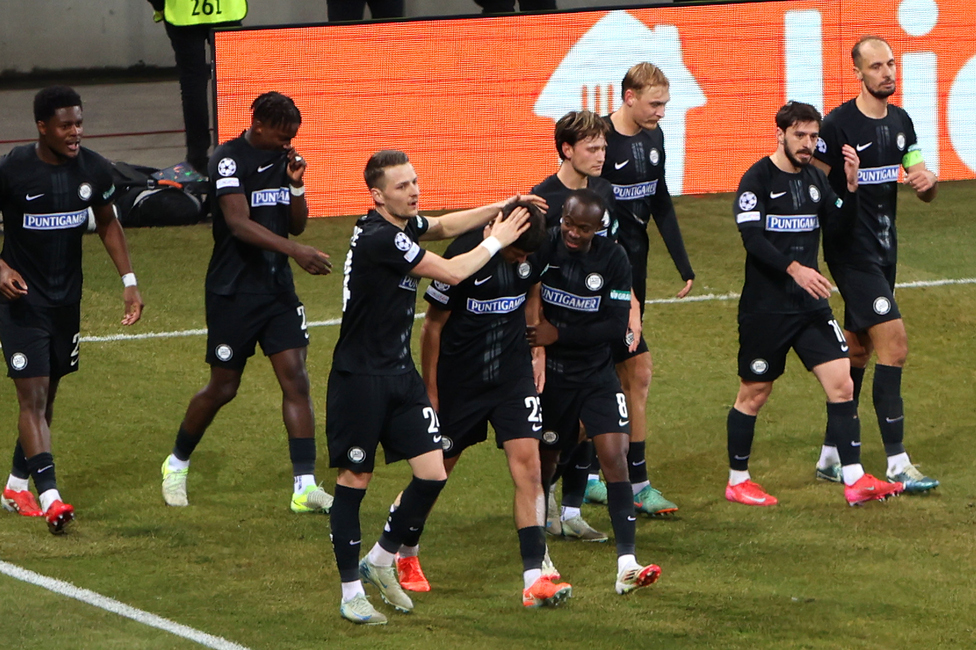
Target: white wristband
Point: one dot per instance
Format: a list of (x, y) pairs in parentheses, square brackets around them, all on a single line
[(129, 280), (492, 245), (297, 191)]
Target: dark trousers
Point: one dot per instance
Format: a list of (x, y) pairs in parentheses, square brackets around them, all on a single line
[(508, 6), (343, 10), (190, 47)]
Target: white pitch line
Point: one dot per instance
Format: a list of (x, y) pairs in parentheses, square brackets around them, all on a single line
[(108, 604), (708, 297)]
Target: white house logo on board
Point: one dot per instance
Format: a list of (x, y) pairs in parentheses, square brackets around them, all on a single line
[(595, 65)]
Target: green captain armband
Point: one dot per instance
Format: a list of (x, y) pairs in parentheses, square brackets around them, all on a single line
[(912, 157)]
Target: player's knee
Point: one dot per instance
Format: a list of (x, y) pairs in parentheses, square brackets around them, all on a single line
[(615, 467), (841, 390), (221, 392)]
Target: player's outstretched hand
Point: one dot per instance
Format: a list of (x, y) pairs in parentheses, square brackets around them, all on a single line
[(545, 333), (851, 164), (810, 280), (539, 368), (686, 289), (296, 167), (538, 201), (12, 284), (507, 231), (312, 260), (133, 305)]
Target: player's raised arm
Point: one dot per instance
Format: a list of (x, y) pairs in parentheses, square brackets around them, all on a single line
[(453, 224), (503, 233), (113, 238)]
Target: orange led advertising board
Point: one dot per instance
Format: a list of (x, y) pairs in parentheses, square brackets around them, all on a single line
[(473, 101)]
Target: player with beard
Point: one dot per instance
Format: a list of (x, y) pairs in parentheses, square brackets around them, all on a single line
[(46, 192), (585, 292), (864, 263), (375, 394), (781, 204), (635, 166)]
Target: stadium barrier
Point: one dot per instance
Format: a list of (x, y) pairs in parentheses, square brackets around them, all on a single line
[(473, 100)]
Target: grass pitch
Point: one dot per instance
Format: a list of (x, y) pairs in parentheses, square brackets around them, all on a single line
[(809, 573)]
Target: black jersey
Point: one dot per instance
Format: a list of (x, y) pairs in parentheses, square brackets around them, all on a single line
[(45, 214), (483, 342), (555, 193), (261, 176), (635, 167), (780, 215), (379, 297), (883, 146), (586, 296)]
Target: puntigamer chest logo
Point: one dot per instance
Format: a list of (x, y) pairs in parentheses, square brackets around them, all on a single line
[(56, 221)]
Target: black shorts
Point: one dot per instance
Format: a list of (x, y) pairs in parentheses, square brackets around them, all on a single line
[(602, 408), (363, 411), (869, 295), (765, 340), (620, 352), (39, 341), (236, 323), (514, 410)]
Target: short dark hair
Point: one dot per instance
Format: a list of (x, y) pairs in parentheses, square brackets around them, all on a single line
[(530, 240), (50, 99), (275, 110), (589, 199), (378, 162), (856, 50), (793, 112), (576, 126)]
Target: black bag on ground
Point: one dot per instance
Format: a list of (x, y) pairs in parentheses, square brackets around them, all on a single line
[(147, 196)]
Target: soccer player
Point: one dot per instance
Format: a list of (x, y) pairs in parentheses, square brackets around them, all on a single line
[(375, 394), (257, 182), (478, 369), (581, 142), (863, 263), (585, 292), (46, 192), (779, 208), (635, 166)]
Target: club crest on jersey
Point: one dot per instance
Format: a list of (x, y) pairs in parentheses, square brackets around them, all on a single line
[(882, 306), (759, 366), (524, 269), (18, 361), (441, 286), (446, 443), (226, 167), (900, 141), (654, 156), (84, 191), (550, 437), (747, 201), (814, 194), (224, 352), (356, 454), (821, 145), (594, 281), (606, 219)]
